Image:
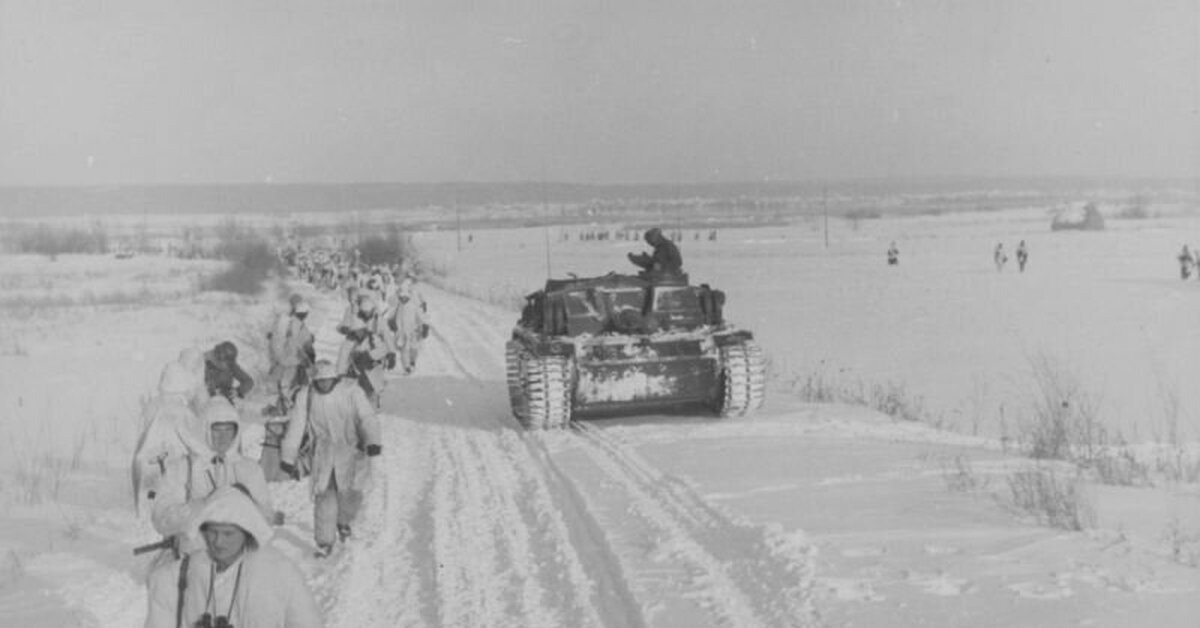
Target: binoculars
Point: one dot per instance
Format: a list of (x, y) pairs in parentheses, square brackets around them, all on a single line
[(208, 621)]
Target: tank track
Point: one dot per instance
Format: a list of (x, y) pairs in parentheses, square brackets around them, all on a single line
[(539, 389), (516, 392), (744, 379)]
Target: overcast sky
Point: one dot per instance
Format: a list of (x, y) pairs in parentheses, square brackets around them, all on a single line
[(155, 91)]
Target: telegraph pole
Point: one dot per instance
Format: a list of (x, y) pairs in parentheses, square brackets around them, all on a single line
[(825, 210), (457, 220)]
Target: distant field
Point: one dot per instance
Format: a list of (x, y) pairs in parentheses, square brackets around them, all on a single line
[(443, 205), (944, 325)]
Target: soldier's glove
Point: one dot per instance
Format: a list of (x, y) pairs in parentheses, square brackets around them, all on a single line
[(390, 361), (374, 450), (277, 520), (290, 469)]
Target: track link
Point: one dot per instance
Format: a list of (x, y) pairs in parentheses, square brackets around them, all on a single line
[(540, 389), (744, 379)]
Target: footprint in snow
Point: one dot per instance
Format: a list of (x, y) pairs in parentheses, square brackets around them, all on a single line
[(863, 552), (941, 550), (848, 590), (1039, 591), (941, 584)]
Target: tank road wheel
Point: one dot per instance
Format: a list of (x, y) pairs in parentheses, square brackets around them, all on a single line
[(743, 379), (513, 357), (547, 387)]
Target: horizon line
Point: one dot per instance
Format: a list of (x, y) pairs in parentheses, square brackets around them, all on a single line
[(621, 184)]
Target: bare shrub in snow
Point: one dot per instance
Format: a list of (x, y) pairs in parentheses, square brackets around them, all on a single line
[(819, 387), (12, 346), (1179, 465), (253, 262), (12, 568), (393, 246), (1183, 545), (52, 241), (1119, 466), (1064, 422), (960, 477), (120, 298), (1133, 212), (1053, 499), (894, 400)]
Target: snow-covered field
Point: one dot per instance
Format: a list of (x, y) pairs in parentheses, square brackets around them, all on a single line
[(805, 514)]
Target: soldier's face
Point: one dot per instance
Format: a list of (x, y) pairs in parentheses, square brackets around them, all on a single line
[(323, 386), (225, 542), (223, 435)]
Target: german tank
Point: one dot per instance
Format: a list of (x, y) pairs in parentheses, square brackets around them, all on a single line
[(624, 344)]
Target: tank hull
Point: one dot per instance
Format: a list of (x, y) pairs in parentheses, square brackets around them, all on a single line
[(619, 375)]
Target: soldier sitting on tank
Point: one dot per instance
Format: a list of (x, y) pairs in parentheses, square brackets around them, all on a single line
[(664, 261)]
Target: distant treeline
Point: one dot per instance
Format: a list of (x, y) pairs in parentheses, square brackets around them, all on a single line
[(302, 198)]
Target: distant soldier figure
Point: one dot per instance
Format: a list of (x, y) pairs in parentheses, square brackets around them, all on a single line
[(290, 345), (1022, 255), (369, 347), (665, 260), (1185, 263), (893, 255), (407, 319), (1000, 257)]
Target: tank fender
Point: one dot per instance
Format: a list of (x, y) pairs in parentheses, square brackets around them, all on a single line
[(725, 340)]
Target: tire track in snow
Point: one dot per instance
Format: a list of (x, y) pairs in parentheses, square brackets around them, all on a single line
[(496, 532), (742, 574), (477, 330), (374, 583), (495, 509), (504, 556)]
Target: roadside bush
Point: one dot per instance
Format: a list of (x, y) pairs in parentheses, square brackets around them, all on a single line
[(252, 262), (1120, 467), (1054, 500), (394, 246), (864, 213), (1178, 465), (1184, 545), (53, 241), (1135, 212), (818, 385), (1064, 422), (894, 400), (960, 477)]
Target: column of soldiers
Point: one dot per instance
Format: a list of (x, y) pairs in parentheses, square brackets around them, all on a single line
[(200, 472), (194, 475)]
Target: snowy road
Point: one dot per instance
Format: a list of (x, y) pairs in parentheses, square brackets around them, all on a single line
[(471, 521)]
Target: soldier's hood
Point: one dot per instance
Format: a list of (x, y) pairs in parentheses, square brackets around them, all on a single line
[(218, 410), (192, 359), (176, 380), (230, 505)]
